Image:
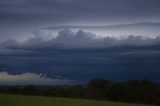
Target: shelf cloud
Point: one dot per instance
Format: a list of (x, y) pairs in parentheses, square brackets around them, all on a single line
[(79, 40), (66, 39)]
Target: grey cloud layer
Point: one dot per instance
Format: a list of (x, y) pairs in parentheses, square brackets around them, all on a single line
[(83, 4), (80, 39), (79, 9), (19, 17)]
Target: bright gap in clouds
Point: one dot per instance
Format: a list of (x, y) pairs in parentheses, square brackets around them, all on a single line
[(30, 79), (145, 29)]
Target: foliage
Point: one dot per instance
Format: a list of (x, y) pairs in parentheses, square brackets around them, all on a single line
[(134, 91)]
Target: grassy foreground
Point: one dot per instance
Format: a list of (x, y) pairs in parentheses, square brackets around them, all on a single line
[(20, 100)]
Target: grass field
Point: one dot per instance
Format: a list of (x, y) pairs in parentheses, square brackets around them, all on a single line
[(19, 100)]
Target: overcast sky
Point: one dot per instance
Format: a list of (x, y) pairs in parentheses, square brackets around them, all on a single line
[(79, 55), (21, 17)]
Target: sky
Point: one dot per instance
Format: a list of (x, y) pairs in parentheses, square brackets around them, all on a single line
[(73, 41), (20, 17)]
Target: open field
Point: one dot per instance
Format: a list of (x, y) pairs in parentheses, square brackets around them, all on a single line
[(20, 100)]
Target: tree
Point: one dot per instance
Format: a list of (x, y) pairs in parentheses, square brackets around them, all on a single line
[(99, 88)]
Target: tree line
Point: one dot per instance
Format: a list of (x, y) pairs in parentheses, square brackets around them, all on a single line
[(133, 91)]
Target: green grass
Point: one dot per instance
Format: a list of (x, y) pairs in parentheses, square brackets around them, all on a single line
[(20, 100)]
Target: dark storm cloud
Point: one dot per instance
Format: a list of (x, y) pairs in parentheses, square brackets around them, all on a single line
[(67, 39), (82, 56)]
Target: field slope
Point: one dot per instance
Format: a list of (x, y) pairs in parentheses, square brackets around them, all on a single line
[(19, 100)]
